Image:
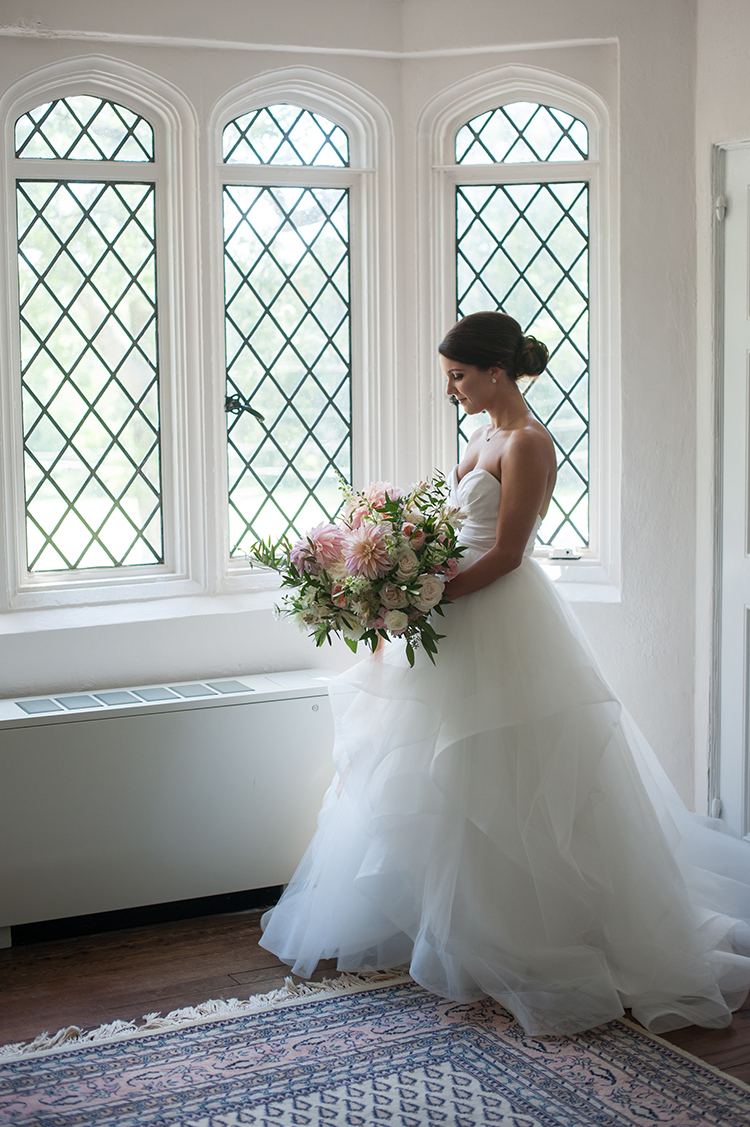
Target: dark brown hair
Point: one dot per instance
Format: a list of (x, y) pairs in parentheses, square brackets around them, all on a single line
[(486, 340)]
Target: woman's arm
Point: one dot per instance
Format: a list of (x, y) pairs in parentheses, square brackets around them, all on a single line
[(525, 466)]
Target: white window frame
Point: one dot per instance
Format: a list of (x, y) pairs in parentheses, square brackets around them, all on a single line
[(596, 575), (173, 172), (369, 179)]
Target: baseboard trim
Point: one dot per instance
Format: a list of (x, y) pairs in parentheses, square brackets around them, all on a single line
[(72, 926)]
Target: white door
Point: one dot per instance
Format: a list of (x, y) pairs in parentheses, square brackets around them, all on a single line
[(734, 693)]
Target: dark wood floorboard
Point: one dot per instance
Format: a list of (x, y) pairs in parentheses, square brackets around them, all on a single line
[(727, 1049), (125, 974)]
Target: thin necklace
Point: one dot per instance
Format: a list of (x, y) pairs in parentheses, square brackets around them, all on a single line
[(490, 435)]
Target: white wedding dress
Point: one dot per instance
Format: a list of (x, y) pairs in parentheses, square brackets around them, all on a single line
[(499, 825)]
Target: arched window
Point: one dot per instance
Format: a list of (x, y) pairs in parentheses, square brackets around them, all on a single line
[(85, 199), (522, 245), (287, 320)]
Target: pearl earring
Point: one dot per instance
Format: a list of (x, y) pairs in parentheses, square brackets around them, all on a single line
[(493, 379)]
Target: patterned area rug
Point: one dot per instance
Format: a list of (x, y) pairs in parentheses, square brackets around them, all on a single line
[(393, 1056)]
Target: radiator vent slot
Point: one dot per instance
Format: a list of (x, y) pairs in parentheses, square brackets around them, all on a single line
[(115, 698)]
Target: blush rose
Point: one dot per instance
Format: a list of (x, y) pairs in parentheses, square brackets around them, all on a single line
[(406, 563), (392, 596), (430, 593)]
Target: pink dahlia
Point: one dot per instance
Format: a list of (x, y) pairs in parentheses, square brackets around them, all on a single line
[(326, 542), (354, 514), (302, 558), (376, 492), (365, 551)]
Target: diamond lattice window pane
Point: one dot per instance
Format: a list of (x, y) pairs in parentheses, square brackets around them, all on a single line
[(87, 262), (523, 248), (84, 128), (519, 132), (285, 134), (288, 353)]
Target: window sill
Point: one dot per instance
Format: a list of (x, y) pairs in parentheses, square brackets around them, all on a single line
[(582, 581), (148, 610), (257, 590)]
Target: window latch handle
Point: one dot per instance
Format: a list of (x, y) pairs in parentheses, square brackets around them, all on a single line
[(564, 554), (236, 404)]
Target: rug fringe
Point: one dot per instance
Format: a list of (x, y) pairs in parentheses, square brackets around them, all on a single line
[(72, 1036)]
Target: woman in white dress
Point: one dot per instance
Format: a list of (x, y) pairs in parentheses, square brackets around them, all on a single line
[(497, 823)]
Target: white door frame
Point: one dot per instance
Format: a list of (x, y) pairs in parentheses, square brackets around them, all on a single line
[(715, 689)]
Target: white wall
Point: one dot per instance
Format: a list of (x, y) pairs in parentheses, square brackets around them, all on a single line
[(643, 65)]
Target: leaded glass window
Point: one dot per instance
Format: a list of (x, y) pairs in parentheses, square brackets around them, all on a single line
[(524, 248), (89, 351), (285, 135), (84, 128), (522, 132), (288, 341)]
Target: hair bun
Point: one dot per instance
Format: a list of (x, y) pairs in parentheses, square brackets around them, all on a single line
[(533, 357), (491, 338)]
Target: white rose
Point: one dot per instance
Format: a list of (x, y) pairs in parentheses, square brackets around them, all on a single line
[(406, 563), (395, 621), (392, 596), (430, 593), (350, 628)]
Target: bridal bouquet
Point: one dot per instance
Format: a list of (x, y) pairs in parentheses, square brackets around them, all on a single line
[(376, 573)]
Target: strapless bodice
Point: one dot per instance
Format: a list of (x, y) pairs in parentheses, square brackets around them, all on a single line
[(478, 495)]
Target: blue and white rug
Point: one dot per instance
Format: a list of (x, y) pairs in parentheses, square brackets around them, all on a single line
[(364, 1056)]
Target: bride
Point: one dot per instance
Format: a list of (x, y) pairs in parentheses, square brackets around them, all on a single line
[(497, 823)]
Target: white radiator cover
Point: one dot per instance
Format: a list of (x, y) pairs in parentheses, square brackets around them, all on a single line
[(103, 808)]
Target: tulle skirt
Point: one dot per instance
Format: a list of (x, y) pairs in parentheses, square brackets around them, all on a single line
[(498, 824)]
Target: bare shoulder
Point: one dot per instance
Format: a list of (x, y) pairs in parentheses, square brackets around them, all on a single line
[(532, 440)]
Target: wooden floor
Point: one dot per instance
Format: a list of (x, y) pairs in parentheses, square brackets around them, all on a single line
[(126, 974)]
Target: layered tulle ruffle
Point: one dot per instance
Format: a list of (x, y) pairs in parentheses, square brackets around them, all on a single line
[(498, 824)]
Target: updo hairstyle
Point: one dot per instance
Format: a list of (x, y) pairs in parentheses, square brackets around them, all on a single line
[(487, 340)]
